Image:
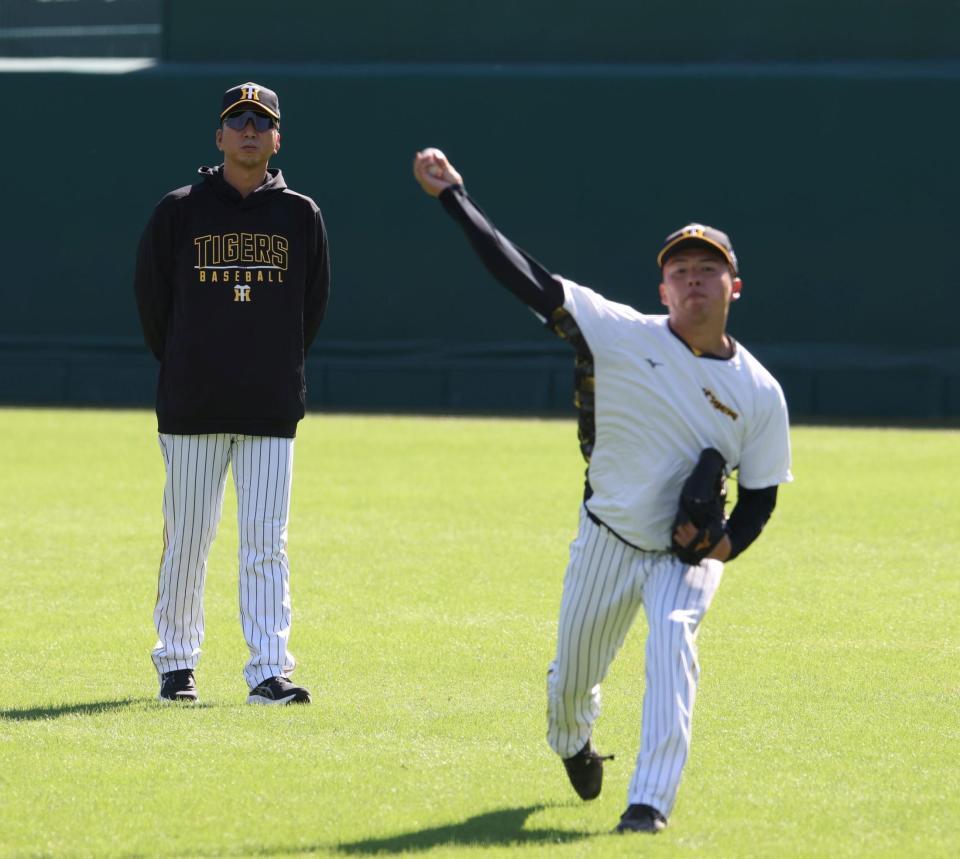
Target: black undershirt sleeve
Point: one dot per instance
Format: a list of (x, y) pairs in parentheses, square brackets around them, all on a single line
[(750, 514), (511, 266)]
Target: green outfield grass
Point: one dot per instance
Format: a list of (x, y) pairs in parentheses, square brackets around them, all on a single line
[(427, 560)]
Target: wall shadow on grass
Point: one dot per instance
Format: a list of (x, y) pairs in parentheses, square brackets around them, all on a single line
[(92, 708), (493, 829)]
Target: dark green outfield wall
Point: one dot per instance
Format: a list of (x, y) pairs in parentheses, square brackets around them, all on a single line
[(837, 181), (568, 31), (830, 188)]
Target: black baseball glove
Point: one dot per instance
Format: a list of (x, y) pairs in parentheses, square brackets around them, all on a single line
[(702, 502)]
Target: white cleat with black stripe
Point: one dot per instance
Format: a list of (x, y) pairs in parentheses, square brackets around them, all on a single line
[(278, 690)]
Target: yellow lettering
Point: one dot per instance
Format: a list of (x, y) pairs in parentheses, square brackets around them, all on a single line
[(203, 275), (257, 248), (279, 247), (723, 408), (260, 276), (213, 277), (248, 276), (246, 247), (262, 248), (202, 244), (231, 247)]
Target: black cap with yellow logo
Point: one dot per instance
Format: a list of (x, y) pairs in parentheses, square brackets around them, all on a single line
[(701, 234), (250, 96)]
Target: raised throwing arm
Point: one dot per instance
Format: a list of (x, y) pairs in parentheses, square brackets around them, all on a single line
[(512, 267)]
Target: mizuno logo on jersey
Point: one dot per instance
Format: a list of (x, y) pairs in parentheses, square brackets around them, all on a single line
[(653, 364), (719, 406)]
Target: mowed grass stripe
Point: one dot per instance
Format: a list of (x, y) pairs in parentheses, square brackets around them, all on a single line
[(427, 558)]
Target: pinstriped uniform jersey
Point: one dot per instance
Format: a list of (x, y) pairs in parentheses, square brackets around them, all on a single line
[(657, 405)]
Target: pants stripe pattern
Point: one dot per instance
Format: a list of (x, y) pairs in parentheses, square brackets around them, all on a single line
[(606, 583), (196, 473)]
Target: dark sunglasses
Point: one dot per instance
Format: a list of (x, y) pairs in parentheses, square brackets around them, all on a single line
[(238, 121)]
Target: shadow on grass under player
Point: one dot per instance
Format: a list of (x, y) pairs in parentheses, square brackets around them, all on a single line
[(91, 708), (495, 828)]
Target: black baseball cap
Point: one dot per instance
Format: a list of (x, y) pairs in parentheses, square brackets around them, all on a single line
[(250, 96), (698, 234)]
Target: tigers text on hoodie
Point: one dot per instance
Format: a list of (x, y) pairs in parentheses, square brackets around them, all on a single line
[(231, 292)]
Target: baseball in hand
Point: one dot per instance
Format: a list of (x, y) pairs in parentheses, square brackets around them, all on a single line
[(434, 172), (433, 168)]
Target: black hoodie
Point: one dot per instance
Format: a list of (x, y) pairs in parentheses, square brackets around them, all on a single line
[(231, 292)]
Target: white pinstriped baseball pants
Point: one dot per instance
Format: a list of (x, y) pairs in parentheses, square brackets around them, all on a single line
[(196, 467), (606, 583)]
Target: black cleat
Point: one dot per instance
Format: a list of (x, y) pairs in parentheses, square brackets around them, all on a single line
[(178, 686), (278, 690), (585, 771), (641, 818)]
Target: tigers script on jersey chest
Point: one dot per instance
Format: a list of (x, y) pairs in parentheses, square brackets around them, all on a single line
[(721, 407)]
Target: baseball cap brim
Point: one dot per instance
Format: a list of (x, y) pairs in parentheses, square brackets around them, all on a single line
[(255, 106)]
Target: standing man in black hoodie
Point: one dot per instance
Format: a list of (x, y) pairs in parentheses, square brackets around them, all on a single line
[(232, 281)]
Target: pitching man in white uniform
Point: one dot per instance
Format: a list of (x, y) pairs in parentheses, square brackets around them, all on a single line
[(654, 393), (232, 282)]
